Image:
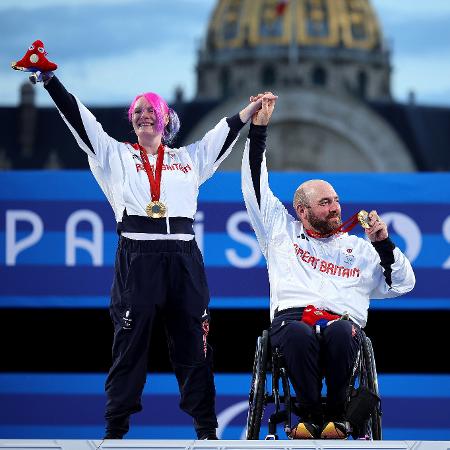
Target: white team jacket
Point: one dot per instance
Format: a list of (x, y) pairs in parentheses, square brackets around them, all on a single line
[(341, 273), (120, 173)]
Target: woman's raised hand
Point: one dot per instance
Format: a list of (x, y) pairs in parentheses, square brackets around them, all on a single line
[(256, 103), (262, 116)]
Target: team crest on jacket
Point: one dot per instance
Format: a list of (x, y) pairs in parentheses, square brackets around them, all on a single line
[(348, 257)]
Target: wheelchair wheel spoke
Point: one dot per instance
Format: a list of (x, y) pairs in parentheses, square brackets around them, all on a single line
[(257, 397)]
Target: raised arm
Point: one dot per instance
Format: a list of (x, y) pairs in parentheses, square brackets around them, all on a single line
[(264, 209), (258, 135), (83, 125), (68, 107), (88, 133)]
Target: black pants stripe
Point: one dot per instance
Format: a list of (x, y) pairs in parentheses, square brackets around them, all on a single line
[(310, 358), (168, 277)]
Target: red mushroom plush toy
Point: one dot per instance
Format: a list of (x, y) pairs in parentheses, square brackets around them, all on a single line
[(35, 60)]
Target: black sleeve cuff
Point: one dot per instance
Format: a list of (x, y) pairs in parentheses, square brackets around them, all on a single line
[(257, 135), (56, 88), (386, 246), (385, 250), (257, 131), (235, 123)]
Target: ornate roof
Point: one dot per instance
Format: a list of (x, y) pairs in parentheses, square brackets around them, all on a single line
[(349, 24)]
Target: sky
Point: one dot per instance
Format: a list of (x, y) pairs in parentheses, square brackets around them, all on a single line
[(110, 50)]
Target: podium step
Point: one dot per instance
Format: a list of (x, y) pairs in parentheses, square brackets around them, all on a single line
[(129, 444)]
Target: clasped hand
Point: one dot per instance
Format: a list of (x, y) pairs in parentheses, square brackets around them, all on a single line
[(259, 109)]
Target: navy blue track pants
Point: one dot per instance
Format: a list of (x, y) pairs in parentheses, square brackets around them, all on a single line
[(167, 276), (310, 358)]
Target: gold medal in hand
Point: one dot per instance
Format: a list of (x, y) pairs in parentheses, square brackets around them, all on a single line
[(363, 219)]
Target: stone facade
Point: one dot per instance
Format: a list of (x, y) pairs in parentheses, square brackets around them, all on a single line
[(325, 59), (316, 130)]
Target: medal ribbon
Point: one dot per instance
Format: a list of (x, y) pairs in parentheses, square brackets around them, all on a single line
[(345, 227), (154, 180)]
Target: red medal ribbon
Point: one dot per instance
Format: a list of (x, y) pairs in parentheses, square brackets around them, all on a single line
[(345, 227), (154, 180)]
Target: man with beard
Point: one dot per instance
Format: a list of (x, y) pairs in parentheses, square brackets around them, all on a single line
[(318, 275)]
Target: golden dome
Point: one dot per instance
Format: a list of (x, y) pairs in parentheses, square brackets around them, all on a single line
[(349, 24)]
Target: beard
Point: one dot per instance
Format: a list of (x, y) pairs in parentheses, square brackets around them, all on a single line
[(327, 225)]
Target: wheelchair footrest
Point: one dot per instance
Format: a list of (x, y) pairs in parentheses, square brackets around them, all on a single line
[(271, 437)]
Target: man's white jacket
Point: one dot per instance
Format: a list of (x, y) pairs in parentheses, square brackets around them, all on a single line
[(340, 273)]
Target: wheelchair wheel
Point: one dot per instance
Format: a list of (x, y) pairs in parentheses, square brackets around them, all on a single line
[(374, 425), (364, 407), (258, 387)]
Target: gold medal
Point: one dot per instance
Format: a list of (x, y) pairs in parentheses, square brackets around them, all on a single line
[(156, 210), (363, 219)]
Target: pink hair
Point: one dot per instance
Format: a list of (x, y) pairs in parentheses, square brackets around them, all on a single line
[(159, 106)]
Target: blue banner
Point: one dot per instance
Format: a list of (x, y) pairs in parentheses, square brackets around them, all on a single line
[(70, 406), (58, 239)]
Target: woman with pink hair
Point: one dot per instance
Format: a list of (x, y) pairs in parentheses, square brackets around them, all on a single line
[(153, 190)]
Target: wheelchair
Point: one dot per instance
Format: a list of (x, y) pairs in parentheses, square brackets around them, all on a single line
[(265, 389)]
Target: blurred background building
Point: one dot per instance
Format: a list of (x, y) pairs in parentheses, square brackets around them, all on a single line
[(326, 59)]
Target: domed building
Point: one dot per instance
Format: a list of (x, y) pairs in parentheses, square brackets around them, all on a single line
[(325, 59), (331, 44)]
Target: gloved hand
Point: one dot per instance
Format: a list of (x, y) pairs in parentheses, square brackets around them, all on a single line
[(318, 317), (35, 60), (40, 77)]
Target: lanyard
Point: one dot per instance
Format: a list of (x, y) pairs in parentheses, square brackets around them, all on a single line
[(154, 179)]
